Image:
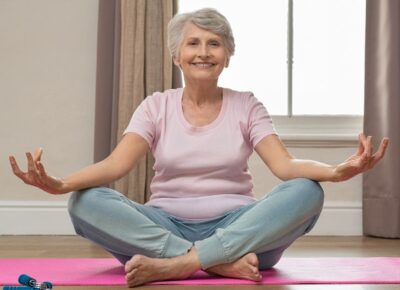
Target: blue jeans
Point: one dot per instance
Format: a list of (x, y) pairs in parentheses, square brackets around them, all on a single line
[(266, 227)]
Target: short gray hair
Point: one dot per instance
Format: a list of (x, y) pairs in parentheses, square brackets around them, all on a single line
[(208, 19)]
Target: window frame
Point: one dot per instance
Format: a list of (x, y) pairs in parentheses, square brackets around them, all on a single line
[(319, 130), (313, 130)]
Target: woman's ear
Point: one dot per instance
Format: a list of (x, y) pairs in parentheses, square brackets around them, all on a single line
[(176, 61), (227, 62)]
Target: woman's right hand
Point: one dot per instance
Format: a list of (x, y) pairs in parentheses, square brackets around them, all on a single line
[(37, 176)]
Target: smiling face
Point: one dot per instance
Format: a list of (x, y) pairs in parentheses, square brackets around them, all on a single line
[(202, 54)]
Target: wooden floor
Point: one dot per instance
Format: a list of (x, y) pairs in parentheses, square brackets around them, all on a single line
[(310, 246)]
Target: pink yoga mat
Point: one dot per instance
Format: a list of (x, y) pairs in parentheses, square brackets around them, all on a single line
[(376, 270)]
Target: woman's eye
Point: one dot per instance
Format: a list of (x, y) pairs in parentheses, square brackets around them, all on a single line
[(214, 44)]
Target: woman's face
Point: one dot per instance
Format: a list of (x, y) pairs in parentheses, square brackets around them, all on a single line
[(202, 55)]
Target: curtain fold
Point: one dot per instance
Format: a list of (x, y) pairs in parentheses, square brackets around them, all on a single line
[(144, 66), (381, 186)]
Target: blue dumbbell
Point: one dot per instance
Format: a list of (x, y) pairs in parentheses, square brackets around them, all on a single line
[(32, 283)]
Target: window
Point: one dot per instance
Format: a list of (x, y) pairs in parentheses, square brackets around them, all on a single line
[(328, 54), (328, 69)]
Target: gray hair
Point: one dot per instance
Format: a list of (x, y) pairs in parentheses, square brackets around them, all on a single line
[(208, 19)]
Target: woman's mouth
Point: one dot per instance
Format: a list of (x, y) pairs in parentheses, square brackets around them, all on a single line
[(203, 64)]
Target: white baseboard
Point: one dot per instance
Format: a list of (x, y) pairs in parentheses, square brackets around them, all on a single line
[(339, 220), (35, 218), (51, 218)]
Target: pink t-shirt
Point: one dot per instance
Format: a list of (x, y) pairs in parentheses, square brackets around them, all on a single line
[(201, 172)]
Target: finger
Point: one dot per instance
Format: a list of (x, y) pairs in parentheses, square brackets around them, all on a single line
[(17, 171), (38, 154), (42, 176), (368, 148), (381, 151), (363, 139), (360, 149), (41, 170), (386, 142), (31, 163), (32, 170)]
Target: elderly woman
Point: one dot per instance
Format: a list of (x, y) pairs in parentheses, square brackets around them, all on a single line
[(202, 213)]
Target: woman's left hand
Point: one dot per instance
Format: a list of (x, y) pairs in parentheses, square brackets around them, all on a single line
[(362, 161)]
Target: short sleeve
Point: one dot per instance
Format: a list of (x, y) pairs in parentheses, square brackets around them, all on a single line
[(143, 121), (259, 121)]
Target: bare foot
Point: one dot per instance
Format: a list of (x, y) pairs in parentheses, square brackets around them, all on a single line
[(244, 268), (141, 269)]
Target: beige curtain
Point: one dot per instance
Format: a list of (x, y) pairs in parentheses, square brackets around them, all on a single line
[(145, 66), (381, 186)]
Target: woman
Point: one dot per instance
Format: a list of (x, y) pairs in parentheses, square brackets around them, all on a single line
[(202, 213)]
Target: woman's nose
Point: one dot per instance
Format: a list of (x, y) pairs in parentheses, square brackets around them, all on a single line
[(203, 51)]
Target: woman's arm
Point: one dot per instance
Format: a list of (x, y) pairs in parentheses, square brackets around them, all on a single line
[(125, 156), (283, 165)]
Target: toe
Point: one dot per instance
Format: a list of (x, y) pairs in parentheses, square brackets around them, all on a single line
[(132, 263), (253, 259), (254, 270), (128, 267), (131, 274), (255, 274)]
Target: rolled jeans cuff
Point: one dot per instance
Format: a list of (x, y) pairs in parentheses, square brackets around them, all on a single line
[(210, 252), (175, 246)]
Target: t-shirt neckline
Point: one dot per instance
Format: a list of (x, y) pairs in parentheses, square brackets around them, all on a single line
[(208, 127)]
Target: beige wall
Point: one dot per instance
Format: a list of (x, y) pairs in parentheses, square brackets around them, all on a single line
[(47, 87)]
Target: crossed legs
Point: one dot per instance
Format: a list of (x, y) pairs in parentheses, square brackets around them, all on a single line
[(153, 248)]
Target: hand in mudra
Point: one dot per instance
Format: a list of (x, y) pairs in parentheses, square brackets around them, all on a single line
[(363, 160), (36, 174)]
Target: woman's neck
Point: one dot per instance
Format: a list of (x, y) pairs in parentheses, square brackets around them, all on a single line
[(202, 93)]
